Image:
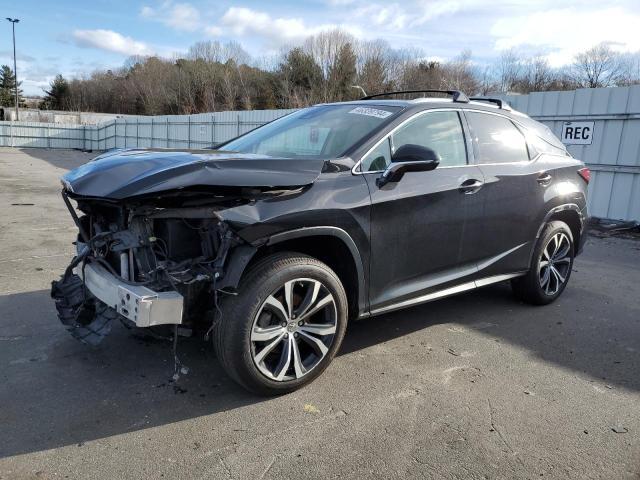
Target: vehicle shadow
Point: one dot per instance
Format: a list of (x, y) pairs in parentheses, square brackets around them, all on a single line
[(56, 391), (66, 159)]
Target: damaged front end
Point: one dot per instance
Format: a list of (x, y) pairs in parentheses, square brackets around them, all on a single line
[(154, 247), (145, 264)]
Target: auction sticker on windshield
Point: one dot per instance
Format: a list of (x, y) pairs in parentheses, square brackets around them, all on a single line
[(371, 112)]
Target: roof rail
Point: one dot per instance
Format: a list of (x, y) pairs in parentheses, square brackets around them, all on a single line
[(456, 95), (498, 101)]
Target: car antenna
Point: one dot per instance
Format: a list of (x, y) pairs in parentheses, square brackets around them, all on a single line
[(359, 88)]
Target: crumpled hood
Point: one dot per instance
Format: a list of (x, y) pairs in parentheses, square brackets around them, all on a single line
[(125, 173)]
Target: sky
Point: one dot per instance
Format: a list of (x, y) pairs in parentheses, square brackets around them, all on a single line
[(77, 37)]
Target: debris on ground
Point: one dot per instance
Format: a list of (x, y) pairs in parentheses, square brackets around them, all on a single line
[(453, 352), (607, 228), (308, 408), (619, 429)]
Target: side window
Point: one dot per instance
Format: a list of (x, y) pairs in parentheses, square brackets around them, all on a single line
[(542, 146), (378, 159), (439, 131), (497, 139)]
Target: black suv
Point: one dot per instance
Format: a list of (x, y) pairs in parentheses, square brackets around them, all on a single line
[(274, 240)]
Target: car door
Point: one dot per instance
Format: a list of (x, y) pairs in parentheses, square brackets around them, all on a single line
[(418, 224), (512, 196)]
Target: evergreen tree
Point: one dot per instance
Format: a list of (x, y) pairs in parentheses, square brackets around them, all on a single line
[(7, 88), (343, 73), (57, 94)]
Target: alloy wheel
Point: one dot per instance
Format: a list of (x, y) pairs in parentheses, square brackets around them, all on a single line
[(293, 329), (555, 263)]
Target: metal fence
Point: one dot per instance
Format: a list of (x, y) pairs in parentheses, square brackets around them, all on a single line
[(170, 131), (614, 152)]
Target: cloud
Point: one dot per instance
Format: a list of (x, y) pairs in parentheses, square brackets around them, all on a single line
[(19, 56), (213, 31), (243, 21), (110, 41), (388, 16), (179, 16), (563, 33), (428, 10)]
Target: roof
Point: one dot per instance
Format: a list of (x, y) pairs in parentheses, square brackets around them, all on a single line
[(432, 101)]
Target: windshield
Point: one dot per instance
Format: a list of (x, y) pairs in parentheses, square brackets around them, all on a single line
[(325, 131)]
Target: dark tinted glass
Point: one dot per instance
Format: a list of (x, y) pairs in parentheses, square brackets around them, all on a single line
[(497, 139), (439, 131)]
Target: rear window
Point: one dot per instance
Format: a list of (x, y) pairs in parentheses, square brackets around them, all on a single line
[(497, 139)]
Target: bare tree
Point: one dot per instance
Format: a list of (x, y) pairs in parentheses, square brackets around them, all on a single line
[(325, 48), (459, 74), (535, 76), (597, 67), (508, 69), (630, 69), (375, 66)]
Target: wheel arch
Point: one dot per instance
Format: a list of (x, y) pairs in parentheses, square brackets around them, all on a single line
[(569, 213), (331, 245)]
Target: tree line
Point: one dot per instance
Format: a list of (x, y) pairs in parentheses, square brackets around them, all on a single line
[(215, 76)]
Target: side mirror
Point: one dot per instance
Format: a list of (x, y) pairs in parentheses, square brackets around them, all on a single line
[(414, 153), (408, 158)]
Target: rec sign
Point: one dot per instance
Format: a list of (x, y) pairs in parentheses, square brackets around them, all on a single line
[(577, 133)]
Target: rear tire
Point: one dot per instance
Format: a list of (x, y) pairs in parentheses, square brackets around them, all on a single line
[(551, 265), (285, 325)]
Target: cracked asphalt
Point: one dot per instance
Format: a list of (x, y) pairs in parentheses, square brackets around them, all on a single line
[(474, 386)]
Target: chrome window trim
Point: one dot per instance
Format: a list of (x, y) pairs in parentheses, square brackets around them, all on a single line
[(519, 125), (388, 134)]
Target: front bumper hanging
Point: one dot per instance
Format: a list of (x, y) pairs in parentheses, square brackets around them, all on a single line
[(139, 304)]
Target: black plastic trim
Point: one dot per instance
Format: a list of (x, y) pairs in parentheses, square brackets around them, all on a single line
[(457, 95), (342, 235)]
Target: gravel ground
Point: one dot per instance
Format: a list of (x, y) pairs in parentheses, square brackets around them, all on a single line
[(474, 386)]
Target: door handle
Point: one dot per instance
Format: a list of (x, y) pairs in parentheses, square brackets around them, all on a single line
[(471, 186), (544, 179)]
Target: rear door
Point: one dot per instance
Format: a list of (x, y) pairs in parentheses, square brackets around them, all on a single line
[(512, 196), (418, 224)]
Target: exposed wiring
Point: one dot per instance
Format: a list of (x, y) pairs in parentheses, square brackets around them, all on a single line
[(179, 368), (217, 315)]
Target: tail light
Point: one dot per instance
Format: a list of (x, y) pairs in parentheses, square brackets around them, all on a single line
[(585, 173)]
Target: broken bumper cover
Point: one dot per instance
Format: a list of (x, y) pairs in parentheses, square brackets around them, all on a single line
[(139, 304)]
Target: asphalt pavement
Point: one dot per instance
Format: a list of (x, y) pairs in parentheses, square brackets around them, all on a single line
[(473, 386)]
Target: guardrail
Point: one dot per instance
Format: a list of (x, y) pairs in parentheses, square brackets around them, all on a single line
[(183, 131)]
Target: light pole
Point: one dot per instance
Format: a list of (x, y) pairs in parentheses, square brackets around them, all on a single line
[(15, 68)]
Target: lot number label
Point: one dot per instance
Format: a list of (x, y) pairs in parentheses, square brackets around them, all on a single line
[(577, 133)]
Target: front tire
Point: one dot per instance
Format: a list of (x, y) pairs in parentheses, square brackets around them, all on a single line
[(551, 265), (285, 325)]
